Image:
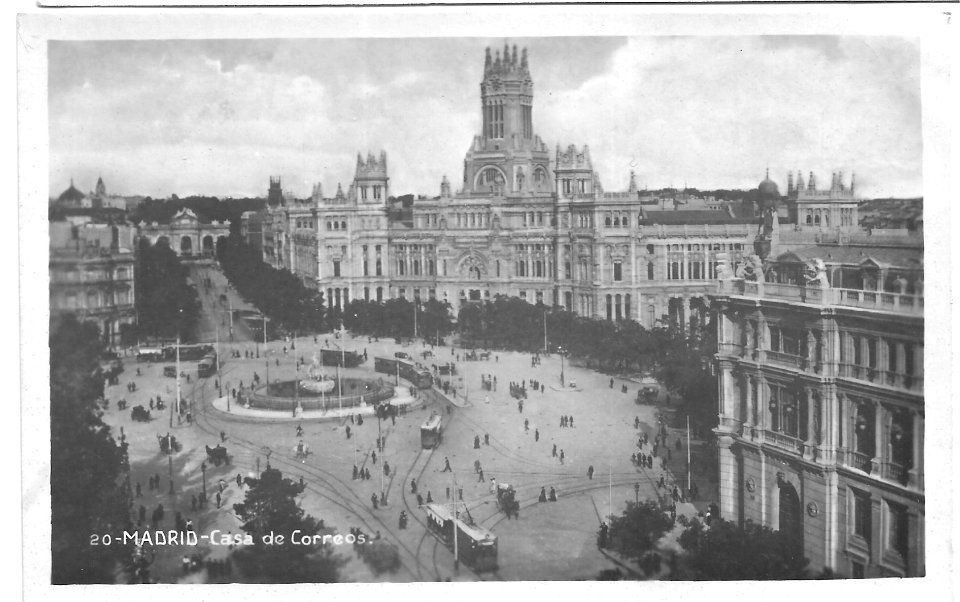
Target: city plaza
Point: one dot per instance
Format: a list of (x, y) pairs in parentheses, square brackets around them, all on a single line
[(548, 541)]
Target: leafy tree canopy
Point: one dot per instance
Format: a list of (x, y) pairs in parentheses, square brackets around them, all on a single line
[(270, 506), (87, 465), (726, 552)]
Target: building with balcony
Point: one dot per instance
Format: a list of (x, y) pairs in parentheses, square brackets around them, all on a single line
[(525, 221), (820, 360), (92, 275)]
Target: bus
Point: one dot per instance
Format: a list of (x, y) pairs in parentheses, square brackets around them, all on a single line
[(431, 431), (207, 366), (422, 379), (476, 546)]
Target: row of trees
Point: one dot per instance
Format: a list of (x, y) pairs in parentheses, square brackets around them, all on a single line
[(166, 303), (395, 318), (722, 551), (88, 493), (277, 293)]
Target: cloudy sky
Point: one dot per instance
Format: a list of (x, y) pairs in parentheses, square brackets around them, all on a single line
[(218, 117)]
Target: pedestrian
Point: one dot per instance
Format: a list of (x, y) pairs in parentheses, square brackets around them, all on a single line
[(413, 486), (429, 498), (218, 499), (355, 471), (486, 438), (571, 422), (386, 468), (561, 456), (239, 480), (366, 474), (223, 436), (636, 422), (448, 493), (446, 465), (611, 383), (347, 431), (373, 500), (373, 455), (660, 484), (590, 472), (460, 493), (553, 494), (520, 406), (481, 479), (526, 425), (536, 435), (476, 441), (554, 453), (543, 495), (476, 466)]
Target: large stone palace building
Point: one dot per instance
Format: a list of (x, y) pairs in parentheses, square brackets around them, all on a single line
[(821, 387), (526, 221)]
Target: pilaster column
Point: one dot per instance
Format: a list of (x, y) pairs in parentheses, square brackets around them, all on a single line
[(879, 451), (915, 474), (810, 442), (748, 419)]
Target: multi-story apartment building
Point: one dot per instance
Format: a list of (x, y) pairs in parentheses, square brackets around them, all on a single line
[(821, 393), (92, 275), (525, 222)]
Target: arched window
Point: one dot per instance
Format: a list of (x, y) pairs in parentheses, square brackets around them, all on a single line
[(606, 220), (809, 219), (816, 219), (343, 225)]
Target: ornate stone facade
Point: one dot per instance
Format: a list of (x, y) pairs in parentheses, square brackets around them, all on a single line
[(526, 222), (821, 401)]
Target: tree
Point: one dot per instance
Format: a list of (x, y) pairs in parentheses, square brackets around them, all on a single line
[(638, 529), (270, 506), (727, 552), (162, 292), (86, 465)]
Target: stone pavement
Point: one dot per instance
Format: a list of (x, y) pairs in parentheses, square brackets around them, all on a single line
[(549, 541)]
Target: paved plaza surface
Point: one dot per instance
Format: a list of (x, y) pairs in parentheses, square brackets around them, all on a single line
[(549, 541)]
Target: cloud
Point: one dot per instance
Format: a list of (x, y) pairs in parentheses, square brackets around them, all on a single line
[(220, 116)]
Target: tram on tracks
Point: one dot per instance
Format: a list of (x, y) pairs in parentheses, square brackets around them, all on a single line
[(431, 431), (422, 379), (476, 546)]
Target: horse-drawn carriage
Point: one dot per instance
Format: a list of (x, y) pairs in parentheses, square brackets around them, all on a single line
[(507, 499), (218, 454), (140, 414), (169, 444), (302, 450)]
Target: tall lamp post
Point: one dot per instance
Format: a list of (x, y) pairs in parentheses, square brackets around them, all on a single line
[(561, 351)]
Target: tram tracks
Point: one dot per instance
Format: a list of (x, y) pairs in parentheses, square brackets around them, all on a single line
[(328, 487)]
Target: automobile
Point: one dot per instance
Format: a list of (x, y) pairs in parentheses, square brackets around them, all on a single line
[(427, 353), (170, 371), (402, 355)]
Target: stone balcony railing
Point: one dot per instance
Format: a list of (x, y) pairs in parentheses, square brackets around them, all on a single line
[(879, 300)]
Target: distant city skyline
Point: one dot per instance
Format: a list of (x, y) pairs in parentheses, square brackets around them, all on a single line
[(217, 117)]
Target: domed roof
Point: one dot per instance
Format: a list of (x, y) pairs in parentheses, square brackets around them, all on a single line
[(768, 188), (71, 195)]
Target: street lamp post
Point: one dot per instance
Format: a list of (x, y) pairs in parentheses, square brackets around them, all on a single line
[(561, 351)]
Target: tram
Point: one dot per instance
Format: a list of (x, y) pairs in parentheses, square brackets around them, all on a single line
[(476, 546), (422, 379), (335, 357), (431, 431), (207, 366)]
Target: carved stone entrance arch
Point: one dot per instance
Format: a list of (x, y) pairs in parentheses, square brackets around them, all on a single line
[(472, 265)]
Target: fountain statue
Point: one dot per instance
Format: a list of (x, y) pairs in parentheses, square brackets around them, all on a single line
[(316, 381)]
